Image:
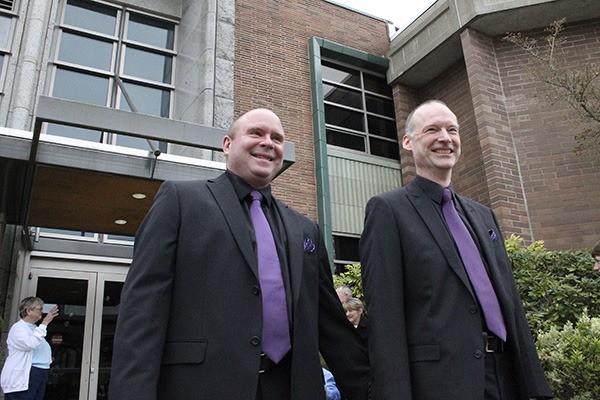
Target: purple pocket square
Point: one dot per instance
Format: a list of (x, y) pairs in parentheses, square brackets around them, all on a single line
[(309, 246)]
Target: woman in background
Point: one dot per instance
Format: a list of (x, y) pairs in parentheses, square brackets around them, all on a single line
[(27, 366), (356, 313)]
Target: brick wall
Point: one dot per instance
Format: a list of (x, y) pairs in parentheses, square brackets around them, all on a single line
[(517, 145), (562, 189), (272, 70)]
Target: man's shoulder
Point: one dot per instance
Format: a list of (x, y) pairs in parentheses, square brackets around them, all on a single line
[(393, 195), (194, 184), (473, 203), (284, 208)]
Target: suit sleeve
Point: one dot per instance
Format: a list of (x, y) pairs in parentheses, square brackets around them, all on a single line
[(145, 302), (535, 384), (382, 274), (339, 343)]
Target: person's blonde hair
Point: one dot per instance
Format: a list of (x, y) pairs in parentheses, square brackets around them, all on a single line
[(29, 303), (353, 304)]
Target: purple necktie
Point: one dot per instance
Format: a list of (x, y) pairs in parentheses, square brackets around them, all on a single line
[(276, 334), (474, 266)]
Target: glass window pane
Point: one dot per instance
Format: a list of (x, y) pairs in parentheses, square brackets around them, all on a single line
[(343, 96), (147, 65), (74, 133), (380, 106), (151, 31), (147, 100), (346, 248), (85, 51), (121, 238), (110, 309), (384, 148), (5, 23), (339, 74), (345, 118), (337, 138), (382, 127), (377, 84), (68, 331), (1, 62), (81, 87), (48, 231), (92, 16), (132, 142)]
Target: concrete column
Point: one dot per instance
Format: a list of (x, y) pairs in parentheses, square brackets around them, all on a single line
[(30, 58)]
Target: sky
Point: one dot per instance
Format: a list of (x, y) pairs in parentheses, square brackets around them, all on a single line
[(400, 12)]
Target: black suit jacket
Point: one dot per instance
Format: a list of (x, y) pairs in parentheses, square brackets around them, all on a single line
[(425, 325), (190, 317)]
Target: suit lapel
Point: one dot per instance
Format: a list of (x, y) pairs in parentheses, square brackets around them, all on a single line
[(294, 233), (425, 208), (486, 245), (226, 198)]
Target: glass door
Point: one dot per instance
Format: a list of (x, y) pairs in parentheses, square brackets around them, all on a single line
[(81, 337)]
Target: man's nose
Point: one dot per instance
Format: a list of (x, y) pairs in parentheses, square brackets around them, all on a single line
[(267, 141), (444, 136)]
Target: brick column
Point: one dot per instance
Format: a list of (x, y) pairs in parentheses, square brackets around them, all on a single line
[(498, 154), (405, 100)]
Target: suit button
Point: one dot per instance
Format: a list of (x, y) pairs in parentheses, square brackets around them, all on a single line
[(478, 354), (473, 310), (255, 340), (256, 290)]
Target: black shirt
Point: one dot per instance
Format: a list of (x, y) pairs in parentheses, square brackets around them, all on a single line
[(435, 192), (242, 190)]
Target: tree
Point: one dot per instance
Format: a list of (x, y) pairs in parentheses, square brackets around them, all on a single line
[(577, 87)]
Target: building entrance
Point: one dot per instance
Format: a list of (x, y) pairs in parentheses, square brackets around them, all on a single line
[(81, 337)]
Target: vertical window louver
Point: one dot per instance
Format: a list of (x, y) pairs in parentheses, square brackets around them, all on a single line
[(7, 5)]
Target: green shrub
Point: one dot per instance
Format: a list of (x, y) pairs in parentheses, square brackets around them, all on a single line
[(351, 278), (555, 286), (571, 358)]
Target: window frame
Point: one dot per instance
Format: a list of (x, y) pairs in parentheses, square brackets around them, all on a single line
[(365, 113), (6, 52), (120, 44)]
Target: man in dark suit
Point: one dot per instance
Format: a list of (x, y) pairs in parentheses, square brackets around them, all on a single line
[(429, 337), (193, 318)]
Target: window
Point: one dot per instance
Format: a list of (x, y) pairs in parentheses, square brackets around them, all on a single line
[(5, 36), (346, 252), (359, 110), (113, 56)]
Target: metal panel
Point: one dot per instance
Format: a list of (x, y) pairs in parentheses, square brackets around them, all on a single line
[(353, 181)]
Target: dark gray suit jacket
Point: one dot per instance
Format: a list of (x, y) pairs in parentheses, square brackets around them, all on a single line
[(425, 325), (190, 317)]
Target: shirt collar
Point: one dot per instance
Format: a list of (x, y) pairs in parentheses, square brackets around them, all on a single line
[(242, 189), (432, 189)]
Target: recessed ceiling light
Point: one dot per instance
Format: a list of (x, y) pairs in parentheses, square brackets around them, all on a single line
[(139, 196), (120, 222)]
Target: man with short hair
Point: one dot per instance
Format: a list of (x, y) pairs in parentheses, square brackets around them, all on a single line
[(344, 293), (445, 318), (230, 294)]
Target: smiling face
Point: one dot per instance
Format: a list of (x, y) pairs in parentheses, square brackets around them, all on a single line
[(434, 141), (254, 147), (353, 316)]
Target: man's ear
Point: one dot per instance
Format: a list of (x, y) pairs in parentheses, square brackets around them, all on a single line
[(226, 144), (406, 142)]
